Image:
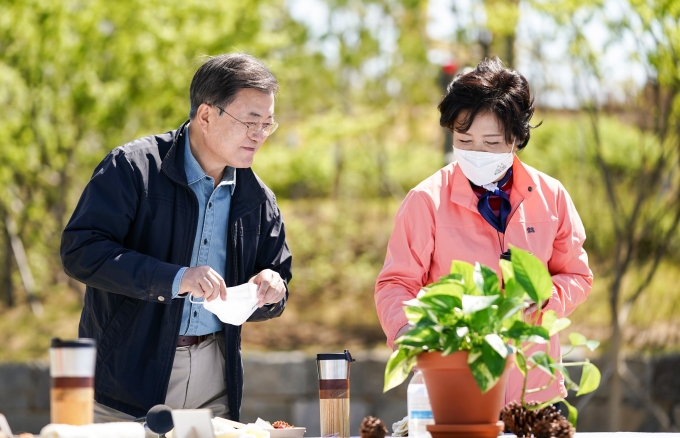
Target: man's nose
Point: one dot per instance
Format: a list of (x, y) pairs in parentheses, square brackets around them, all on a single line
[(258, 135)]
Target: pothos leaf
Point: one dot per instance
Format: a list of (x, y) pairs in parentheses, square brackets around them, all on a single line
[(486, 280), (523, 332), (543, 361), (480, 371), (532, 275), (397, 369), (590, 379), (511, 288), (573, 413), (466, 270), (472, 304)]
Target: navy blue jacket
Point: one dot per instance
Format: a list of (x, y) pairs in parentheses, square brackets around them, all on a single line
[(130, 233)]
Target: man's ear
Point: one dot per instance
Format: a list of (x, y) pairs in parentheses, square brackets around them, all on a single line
[(203, 117)]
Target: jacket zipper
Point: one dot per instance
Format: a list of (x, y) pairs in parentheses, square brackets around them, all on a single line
[(233, 252), (512, 213)]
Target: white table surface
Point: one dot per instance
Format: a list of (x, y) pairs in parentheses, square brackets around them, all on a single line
[(624, 435)]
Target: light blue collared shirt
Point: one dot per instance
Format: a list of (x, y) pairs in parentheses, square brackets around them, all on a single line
[(210, 244)]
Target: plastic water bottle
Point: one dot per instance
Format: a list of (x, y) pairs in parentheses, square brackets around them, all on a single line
[(419, 409)]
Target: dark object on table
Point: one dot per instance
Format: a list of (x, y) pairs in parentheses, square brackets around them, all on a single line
[(542, 423), (553, 428), (159, 419), (515, 418), (372, 427)]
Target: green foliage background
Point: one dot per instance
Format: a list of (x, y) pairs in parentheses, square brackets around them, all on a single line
[(357, 130)]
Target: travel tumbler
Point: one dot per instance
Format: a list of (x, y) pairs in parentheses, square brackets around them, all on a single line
[(333, 369), (72, 371)]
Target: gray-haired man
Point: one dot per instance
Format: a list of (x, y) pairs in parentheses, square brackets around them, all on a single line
[(173, 215)]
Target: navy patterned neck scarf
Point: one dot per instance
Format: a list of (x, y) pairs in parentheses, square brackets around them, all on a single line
[(495, 189)]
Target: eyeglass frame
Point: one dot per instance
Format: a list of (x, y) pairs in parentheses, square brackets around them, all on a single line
[(248, 125)]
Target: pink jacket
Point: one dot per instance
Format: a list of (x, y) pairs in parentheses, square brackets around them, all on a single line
[(438, 222)]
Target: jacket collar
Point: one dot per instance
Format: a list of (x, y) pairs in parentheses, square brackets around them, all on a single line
[(462, 194), (173, 162), (248, 194), (194, 171), (523, 183)]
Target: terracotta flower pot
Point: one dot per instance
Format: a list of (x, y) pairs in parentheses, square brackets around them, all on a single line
[(454, 394)]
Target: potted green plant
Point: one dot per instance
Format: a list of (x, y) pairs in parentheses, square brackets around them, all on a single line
[(469, 327)]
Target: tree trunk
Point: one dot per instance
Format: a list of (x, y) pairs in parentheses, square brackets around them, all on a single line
[(7, 271), (19, 252), (339, 164), (510, 51), (615, 357)]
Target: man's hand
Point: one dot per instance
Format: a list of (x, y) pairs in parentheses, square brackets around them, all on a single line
[(203, 282), (271, 289)]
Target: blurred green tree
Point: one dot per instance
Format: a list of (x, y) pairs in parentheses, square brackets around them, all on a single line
[(639, 180), (80, 78)]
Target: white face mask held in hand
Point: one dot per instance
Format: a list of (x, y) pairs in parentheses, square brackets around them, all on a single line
[(483, 167), (241, 302)]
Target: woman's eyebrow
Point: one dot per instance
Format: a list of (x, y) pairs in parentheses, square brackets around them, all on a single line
[(492, 135)]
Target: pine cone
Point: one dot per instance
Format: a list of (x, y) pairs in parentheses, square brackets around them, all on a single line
[(549, 414), (372, 427), (562, 428), (515, 418), (542, 429), (527, 422)]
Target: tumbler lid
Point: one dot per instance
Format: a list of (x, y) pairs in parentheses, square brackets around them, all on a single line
[(335, 356), (73, 343)]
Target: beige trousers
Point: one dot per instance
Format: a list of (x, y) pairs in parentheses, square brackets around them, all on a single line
[(196, 381)]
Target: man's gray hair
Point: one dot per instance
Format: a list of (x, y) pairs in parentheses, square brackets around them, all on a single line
[(221, 77)]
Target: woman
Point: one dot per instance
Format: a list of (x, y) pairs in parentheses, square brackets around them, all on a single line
[(477, 207)]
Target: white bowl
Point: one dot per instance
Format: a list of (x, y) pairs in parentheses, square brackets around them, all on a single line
[(291, 432)]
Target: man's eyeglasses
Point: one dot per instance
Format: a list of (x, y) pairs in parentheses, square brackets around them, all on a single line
[(254, 129)]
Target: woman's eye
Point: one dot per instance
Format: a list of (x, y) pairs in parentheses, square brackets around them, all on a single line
[(465, 141), (492, 143)]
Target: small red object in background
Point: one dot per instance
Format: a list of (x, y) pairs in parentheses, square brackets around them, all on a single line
[(450, 68)]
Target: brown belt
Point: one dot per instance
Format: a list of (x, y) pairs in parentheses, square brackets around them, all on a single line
[(187, 341)]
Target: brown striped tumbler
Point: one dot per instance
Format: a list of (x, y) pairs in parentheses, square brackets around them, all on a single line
[(333, 369), (72, 371)]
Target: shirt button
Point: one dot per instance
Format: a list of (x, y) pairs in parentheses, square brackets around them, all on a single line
[(209, 204), (195, 313), (530, 188), (205, 241), (161, 299)]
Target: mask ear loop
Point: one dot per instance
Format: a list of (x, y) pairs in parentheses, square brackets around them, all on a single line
[(195, 302)]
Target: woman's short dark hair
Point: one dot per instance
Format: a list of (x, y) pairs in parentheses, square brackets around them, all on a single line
[(490, 88), (217, 81)]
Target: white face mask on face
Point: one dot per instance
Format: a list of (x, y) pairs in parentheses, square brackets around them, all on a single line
[(483, 167)]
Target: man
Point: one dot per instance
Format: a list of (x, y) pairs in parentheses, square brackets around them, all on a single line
[(173, 215)]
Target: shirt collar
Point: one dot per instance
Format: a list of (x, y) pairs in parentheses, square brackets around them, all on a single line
[(194, 170)]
